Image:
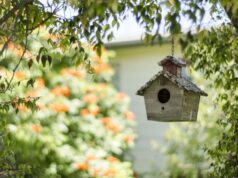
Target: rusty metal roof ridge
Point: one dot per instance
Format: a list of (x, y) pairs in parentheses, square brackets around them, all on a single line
[(175, 60)]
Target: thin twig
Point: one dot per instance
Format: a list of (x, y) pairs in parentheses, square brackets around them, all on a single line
[(23, 53), (9, 38), (29, 98), (20, 7), (43, 21), (14, 9), (56, 9)]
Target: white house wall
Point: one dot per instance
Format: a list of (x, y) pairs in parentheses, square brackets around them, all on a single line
[(136, 65)]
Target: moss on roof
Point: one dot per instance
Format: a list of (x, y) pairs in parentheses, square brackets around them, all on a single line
[(181, 82)]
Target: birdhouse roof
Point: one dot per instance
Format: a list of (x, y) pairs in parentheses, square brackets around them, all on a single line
[(174, 60), (181, 82)]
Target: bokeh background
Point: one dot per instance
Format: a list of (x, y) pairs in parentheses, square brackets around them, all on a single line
[(90, 123)]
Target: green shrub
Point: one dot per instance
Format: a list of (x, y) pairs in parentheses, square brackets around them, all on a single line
[(82, 127)]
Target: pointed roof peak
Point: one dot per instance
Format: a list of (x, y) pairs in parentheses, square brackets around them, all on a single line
[(174, 60)]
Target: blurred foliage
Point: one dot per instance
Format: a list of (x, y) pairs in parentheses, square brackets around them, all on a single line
[(82, 126), (215, 53), (210, 147), (91, 19)]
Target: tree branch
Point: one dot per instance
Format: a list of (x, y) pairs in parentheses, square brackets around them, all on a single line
[(14, 9), (22, 56), (43, 21)]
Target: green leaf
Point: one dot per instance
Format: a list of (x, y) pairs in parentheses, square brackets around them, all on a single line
[(44, 58), (30, 63), (106, 27), (30, 82)]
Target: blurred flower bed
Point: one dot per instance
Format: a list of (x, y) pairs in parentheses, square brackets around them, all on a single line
[(82, 126)]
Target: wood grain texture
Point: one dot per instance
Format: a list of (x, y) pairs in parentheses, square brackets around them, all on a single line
[(190, 105), (182, 105), (169, 111)]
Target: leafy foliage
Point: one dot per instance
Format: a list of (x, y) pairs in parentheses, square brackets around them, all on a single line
[(90, 20), (214, 52)]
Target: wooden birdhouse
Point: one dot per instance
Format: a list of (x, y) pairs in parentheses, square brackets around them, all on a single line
[(170, 95)]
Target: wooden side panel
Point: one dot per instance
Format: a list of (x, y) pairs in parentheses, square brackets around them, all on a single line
[(169, 111), (190, 106)]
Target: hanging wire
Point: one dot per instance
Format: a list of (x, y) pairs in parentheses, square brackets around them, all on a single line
[(172, 46)]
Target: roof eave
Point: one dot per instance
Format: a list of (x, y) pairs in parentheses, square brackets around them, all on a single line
[(140, 93), (142, 89), (204, 94)]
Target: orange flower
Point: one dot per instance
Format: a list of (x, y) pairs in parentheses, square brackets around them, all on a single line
[(18, 50), (102, 88), (32, 93), (111, 172), (39, 83), (110, 125), (4, 72), (61, 91), (101, 68), (22, 107), (112, 159), (113, 127), (81, 166), (10, 45), (36, 128), (98, 59), (106, 120), (129, 115), (59, 107), (53, 37), (91, 157), (96, 172), (92, 111), (103, 85), (72, 72), (128, 138), (121, 96), (90, 98), (90, 89), (20, 75), (28, 55), (84, 112), (40, 106)]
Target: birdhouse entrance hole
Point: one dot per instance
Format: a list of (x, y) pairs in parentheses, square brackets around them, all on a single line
[(163, 96), (169, 96)]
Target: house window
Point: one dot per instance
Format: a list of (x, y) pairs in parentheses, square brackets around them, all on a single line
[(163, 95)]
